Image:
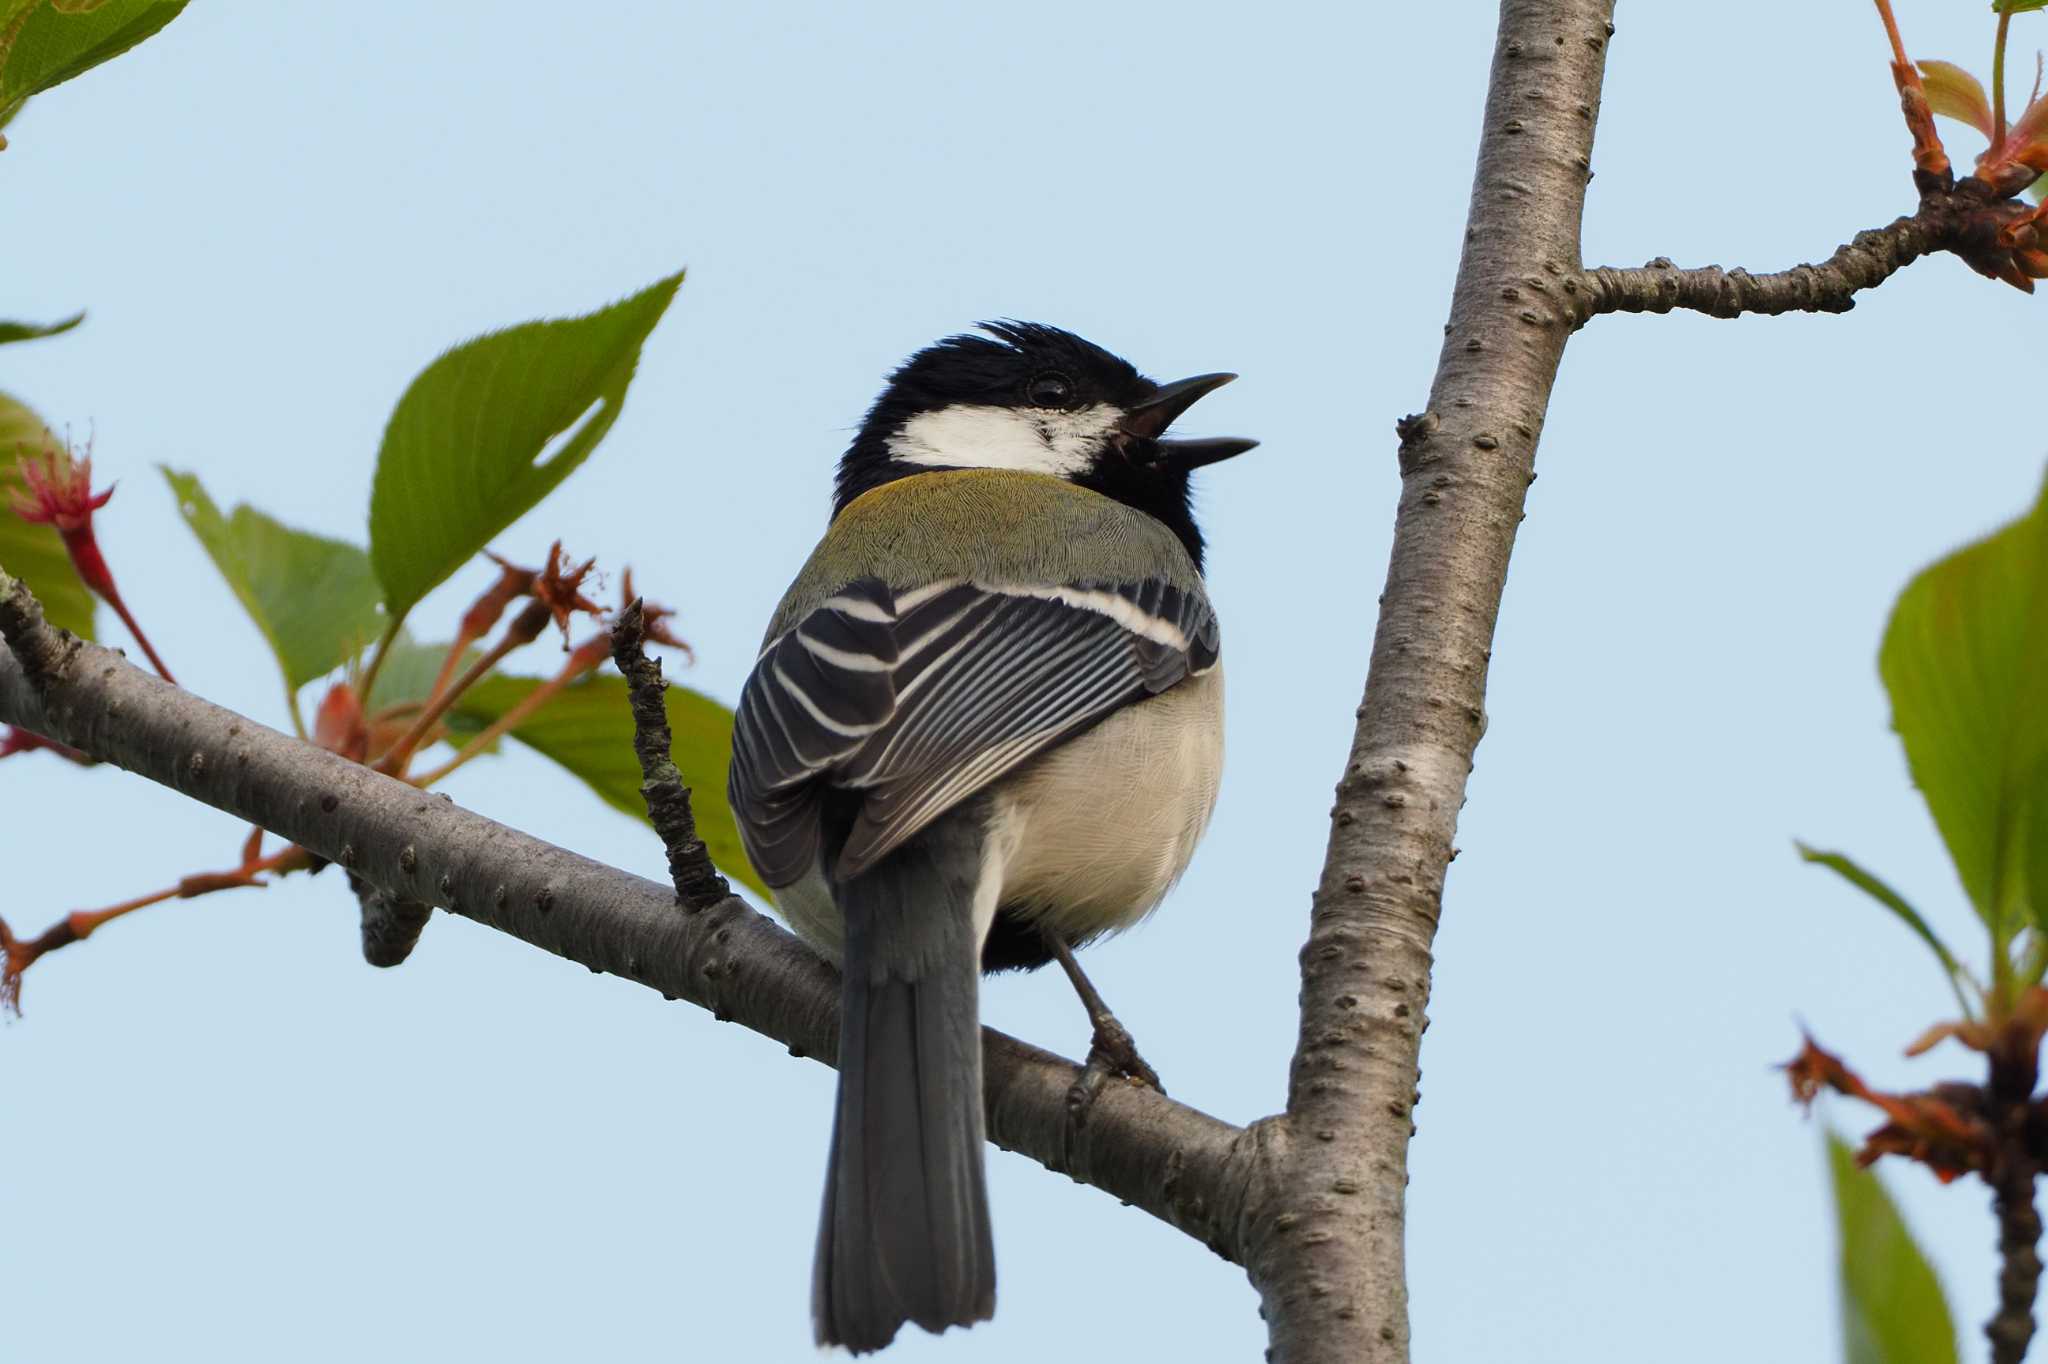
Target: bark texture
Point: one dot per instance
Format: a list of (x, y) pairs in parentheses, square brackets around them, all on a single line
[(1865, 262), (2013, 1170), (697, 882), (1171, 1160), (1324, 1246)]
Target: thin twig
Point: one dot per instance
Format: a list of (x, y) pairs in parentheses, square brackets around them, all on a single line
[(135, 629), (581, 663), (697, 882), (17, 955), (1867, 261), (525, 628), (1998, 81)]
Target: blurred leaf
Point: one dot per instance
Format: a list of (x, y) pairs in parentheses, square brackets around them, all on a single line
[(489, 429), (408, 675), (33, 553), (1877, 890), (1955, 92), (47, 42), (1893, 1311), (410, 667), (313, 598), (1965, 659), (30, 331), (588, 729), (2017, 6)]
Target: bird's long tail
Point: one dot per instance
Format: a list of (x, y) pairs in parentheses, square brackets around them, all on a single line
[(905, 1230)]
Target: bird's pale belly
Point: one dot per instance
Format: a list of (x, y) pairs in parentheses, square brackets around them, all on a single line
[(1087, 838), (1098, 830)]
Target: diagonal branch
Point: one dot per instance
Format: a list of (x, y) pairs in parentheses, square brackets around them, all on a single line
[(1176, 1163)]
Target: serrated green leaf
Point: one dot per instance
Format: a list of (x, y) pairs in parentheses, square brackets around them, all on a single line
[(490, 428), (47, 42), (1893, 1311), (31, 331), (588, 729), (1877, 890), (1965, 659), (35, 553), (314, 599)]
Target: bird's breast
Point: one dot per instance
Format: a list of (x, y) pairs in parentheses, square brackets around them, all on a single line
[(1093, 833)]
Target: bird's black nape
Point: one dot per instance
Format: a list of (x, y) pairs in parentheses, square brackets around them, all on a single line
[(1000, 370)]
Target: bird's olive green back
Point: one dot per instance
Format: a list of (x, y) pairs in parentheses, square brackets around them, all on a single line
[(992, 526)]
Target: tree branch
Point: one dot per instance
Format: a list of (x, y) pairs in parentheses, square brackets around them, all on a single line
[(697, 882), (1981, 223), (1830, 287), (1178, 1164), (2012, 1171), (1325, 1249)]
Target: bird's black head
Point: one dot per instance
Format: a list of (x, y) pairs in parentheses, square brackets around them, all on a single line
[(1038, 399)]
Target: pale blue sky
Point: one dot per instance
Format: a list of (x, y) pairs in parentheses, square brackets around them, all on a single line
[(229, 1140)]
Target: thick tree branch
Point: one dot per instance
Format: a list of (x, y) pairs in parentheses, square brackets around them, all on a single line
[(1170, 1160), (1830, 287), (1325, 1248)]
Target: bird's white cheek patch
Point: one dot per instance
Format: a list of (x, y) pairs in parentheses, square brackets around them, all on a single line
[(1033, 440)]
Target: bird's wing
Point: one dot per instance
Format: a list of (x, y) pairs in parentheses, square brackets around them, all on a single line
[(914, 700)]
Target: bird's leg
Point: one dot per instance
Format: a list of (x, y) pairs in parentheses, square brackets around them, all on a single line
[(1111, 1049)]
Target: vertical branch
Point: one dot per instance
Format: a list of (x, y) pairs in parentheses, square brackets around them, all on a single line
[(2019, 1274), (698, 883), (2015, 1069), (1325, 1249)]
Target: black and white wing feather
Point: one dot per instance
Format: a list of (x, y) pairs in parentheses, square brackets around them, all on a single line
[(915, 700)]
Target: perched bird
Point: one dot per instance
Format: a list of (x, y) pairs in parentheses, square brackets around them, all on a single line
[(986, 727)]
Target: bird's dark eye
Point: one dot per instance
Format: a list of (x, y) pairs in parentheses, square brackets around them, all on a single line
[(1050, 389)]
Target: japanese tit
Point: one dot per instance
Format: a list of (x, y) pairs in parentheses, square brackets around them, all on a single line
[(986, 726)]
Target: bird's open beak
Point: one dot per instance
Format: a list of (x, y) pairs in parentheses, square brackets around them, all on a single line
[(1152, 416)]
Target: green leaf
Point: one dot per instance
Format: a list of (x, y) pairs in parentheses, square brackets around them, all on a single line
[(1965, 659), (2017, 6), (489, 429), (47, 42), (588, 729), (410, 667), (1893, 1311), (314, 599), (35, 553), (1877, 890), (1955, 93), (31, 331)]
